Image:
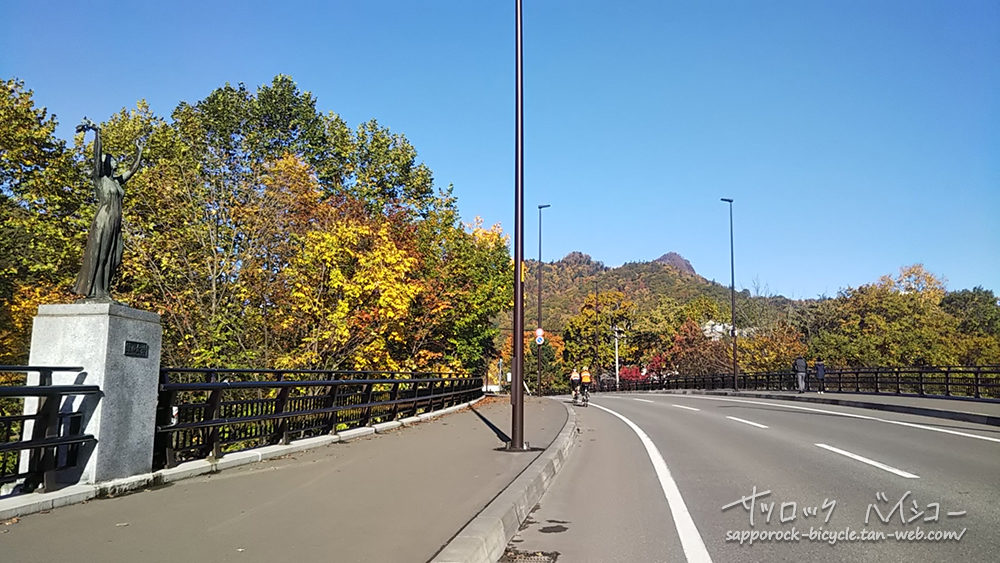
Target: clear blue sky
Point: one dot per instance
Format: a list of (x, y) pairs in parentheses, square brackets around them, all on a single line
[(856, 136)]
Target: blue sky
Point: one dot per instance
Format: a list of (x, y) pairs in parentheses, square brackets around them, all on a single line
[(856, 136)]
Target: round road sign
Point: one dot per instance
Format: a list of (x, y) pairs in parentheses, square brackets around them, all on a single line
[(540, 340), (539, 332)]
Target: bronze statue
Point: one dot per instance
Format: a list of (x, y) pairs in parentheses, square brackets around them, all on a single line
[(103, 255)]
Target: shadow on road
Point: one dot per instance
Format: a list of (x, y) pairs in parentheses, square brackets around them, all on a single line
[(500, 433)]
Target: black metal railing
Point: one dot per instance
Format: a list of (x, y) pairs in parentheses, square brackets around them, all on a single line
[(55, 429), (962, 382), (208, 412)]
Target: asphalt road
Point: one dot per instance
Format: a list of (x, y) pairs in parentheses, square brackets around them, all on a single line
[(812, 466)]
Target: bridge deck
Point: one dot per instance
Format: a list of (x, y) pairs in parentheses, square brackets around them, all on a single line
[(398, 496)]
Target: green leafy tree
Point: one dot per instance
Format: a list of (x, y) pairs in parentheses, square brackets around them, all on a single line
[(589, 334), (893, 322), (978, 313), (977, 310), (43, 216)]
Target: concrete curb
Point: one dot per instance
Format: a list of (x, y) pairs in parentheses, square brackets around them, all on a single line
[(976, 418), (485, 538), (40, 502)]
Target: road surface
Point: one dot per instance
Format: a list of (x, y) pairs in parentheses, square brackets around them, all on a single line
[(735, 469)]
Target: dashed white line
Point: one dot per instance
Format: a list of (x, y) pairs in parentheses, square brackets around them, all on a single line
[(644, 400), (691, 542), (688, 408), (852, 415), (746, 422), (872, 462)]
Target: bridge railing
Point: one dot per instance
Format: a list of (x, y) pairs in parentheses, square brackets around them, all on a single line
[(51, 437), (208, 412), (969, 382)]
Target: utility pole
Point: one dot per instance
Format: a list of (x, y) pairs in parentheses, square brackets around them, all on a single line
[(538, 347), (517, 383), (732, 290), (617, 369), (597, 327)]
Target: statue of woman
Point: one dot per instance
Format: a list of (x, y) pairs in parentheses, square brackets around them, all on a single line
[(103, 255)]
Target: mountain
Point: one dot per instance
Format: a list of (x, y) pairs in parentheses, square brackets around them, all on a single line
[(567, 282), (676, 261)]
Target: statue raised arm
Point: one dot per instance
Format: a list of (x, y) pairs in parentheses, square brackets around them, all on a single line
[(138, 160), (103, 255)]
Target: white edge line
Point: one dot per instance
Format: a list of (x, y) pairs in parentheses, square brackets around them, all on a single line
[(644, 400), (746, 422), (872, 462), (852, 415), (688, 408), (691, 542)]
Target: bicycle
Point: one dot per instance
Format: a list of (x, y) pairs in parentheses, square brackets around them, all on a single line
[(585, 395)]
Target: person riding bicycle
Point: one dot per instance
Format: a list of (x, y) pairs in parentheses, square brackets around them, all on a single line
[(585, 381), (574, 383)]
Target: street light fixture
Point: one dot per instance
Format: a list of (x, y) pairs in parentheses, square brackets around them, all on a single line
[(732, 289), (538, 347)]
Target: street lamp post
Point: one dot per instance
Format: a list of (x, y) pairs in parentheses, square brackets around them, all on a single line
[(617, 369), (538, 347), (517, 380), (732, 289)]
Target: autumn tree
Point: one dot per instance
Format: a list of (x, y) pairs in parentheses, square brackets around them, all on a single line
[(43, 216), (893, 322), (263, 232), (692, 353), (555, 370), (768, 348), (589, 334)]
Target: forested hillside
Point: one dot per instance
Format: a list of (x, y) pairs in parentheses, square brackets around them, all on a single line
[(669, 319)]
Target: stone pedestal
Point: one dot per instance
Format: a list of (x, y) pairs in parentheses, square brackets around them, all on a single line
[(119, 350)]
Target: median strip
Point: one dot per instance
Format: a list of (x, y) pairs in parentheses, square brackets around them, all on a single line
[(746, 422), (872, 462)]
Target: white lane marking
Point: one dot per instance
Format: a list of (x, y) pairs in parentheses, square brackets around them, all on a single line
[(691, 542), (871, 462), (851, 415), (643, 400), (688, 408), (746, 422)]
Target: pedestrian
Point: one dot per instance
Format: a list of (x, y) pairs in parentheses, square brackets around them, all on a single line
[(820, 375), (799, 366)]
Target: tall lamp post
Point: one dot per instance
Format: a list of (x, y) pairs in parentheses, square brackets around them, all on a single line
[(538, 347), (732, 289), (517, 379)]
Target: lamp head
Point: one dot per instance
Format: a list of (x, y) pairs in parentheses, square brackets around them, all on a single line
[(726, 199)]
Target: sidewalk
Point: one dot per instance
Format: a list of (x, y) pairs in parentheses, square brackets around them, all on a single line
[(398, 496), (979, 412)]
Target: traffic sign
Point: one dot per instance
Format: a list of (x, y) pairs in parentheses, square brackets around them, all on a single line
[(539, 332), (540, 340)]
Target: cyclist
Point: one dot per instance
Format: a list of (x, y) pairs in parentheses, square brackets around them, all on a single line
[(574, 383), (585, 383)]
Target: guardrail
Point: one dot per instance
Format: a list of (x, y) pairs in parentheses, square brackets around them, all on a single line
[(56, 430), (955, 382), (208, 412)]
